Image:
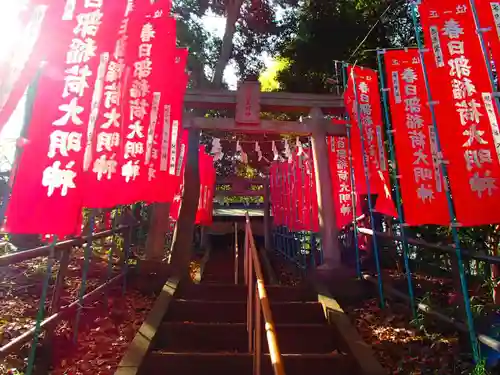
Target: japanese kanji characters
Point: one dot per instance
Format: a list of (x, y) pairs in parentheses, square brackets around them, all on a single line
[(420, 177), (466, 120), (341, 182), (55, 177), (72, 110), (369, 160)]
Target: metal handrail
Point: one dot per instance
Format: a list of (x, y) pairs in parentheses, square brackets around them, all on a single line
[(258, 303)]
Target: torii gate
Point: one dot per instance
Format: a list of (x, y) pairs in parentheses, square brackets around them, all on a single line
[(248, 102)]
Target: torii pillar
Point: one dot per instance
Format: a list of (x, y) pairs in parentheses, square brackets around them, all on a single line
[(324, 191)]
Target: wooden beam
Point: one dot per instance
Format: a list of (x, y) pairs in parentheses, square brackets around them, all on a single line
[(269, 101), (266, 126)]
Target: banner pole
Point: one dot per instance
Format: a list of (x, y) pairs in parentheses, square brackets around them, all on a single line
[(368, 192), (392, 154), (351, 177), (41, 307), (453, 218)]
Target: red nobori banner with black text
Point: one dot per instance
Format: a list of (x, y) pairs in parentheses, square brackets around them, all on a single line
[(466, 113), (106, 138), (421, 180)]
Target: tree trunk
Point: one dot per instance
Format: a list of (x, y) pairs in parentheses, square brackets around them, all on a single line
[(155, 244), (183, 235), (233, 13)]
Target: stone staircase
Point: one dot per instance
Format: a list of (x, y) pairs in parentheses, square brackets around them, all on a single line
[(204, 330)]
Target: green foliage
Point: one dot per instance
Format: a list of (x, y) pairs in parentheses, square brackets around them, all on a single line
[(269, 78), (329, 31)]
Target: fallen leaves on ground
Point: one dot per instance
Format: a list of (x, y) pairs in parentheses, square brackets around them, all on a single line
[(287, 273), (401, 348), (194, 269), (103, 337), (20, 290)]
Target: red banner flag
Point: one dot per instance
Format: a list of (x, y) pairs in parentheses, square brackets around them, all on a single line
[(421, 180), (467, 117), (142, 100), (171, 120), (489, 19), (275, 194), (105, 145), (300, 175), (178, 181), (341, 180), (370, 114), (310, 191), (207, 182), (51, 165)]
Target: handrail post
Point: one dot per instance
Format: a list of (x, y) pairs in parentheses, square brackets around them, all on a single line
[(257, 359), (236, 259)]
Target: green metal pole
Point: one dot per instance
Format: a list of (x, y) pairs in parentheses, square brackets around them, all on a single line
[(451, 209), (41, 307), (368, 192), (396, 184)]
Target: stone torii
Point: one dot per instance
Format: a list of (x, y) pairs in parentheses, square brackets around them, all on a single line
[(248, 102)]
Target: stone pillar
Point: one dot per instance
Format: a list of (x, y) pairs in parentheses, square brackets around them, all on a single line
[(267, 216), (324, 191)]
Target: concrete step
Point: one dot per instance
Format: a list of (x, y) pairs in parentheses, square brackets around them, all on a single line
[(159, 363), (233, 337), (235, 312), (231, 292)]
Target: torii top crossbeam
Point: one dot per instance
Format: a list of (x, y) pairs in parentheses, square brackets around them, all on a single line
[(250, 101)]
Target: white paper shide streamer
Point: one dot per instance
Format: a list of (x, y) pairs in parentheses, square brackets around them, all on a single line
[(217, 149), (258, 151), (288, 152), (243, 155)]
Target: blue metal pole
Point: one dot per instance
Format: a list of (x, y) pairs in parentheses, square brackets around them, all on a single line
[(451, 209), (396, 184), (353, 185), (368, 192)]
